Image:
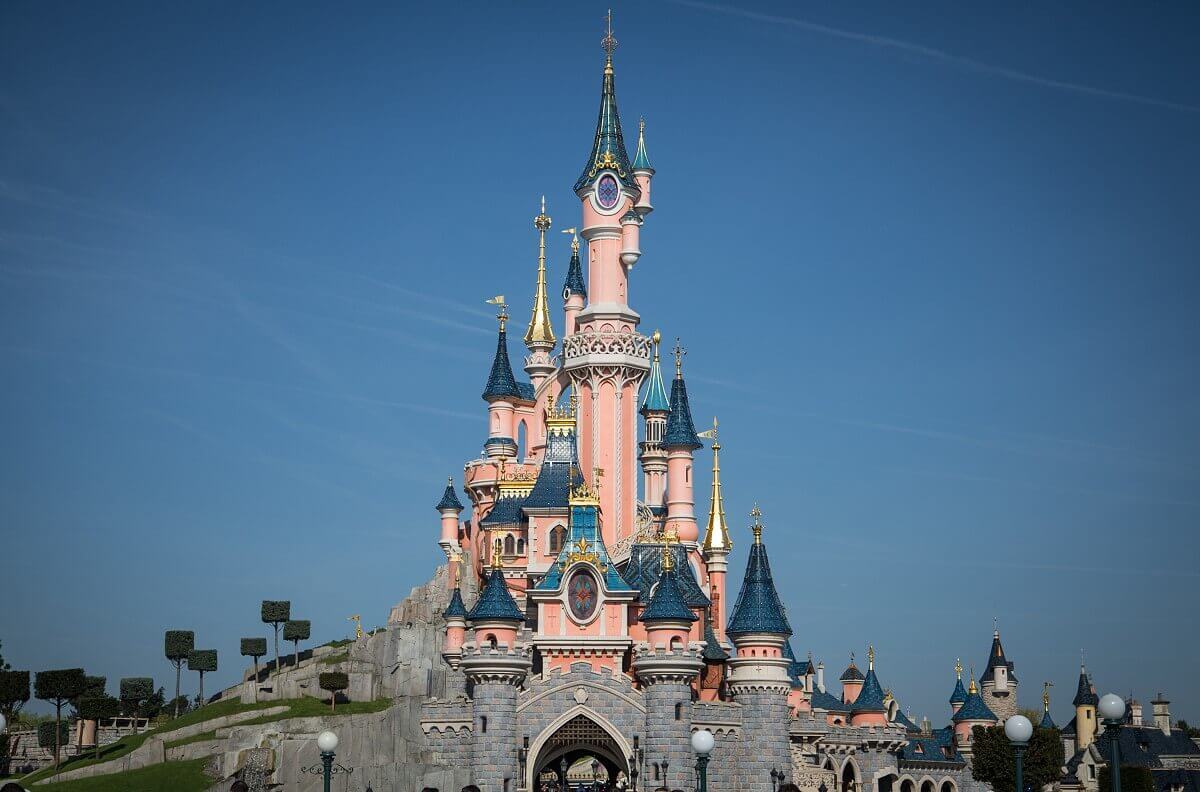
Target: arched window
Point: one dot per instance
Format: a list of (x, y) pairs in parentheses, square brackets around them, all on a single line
[(678, 711), (521, 447), (509, 545), (520, 547), (558, 535)]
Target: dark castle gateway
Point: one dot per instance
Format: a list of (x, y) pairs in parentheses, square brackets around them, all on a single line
[(601, 631)]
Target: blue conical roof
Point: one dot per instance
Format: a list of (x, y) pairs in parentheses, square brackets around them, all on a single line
[(449, 498), (1047, 721), (870, 698), (681, 432), (456, 606), (641, 160), (974, 709), (656, 399), (608, 150), (960, 693), (1085, 695), (713, 651), (667, 603), (501, 383), (575, 283), (495, 603), (758, 609)]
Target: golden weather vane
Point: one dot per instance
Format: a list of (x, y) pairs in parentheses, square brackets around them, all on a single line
[(358, 631)]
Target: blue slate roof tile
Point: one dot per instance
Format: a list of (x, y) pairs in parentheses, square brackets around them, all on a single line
[(1085, 694), (830, 703), (1047, 721), (713, 651), (681, 432), (666, 603), (870, 698), (525, 391), (996, 658), (655, 399), (851, 674), (575, 283), (456, 606), (501, 383), (609, 145), (645, 565), (974, 709), (583, 527), (758, 609), (495, 603), (507, 511), (960, 693), (449, 499)]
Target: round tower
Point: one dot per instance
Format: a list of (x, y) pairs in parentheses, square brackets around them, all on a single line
[(959, 696), (998, 685), (449, 507), (758, 678), (1085, 702), (974, 712), (642, 171), (655, 409), (681, 442), (869, 708), (666, 666), (717, 545), (500, 393), (574, 290), (496, 664), (456, 624), (852, 682)]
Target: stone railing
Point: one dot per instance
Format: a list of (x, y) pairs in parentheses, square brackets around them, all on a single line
[(598, 343)]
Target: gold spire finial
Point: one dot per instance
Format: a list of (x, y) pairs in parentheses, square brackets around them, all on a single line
[(1046, 695), (870, 657), (502, 312), (609, 42), (679, 353), (574, 232), (958, 668), (657, 339), (668, 559), (972, 689), (540, 330), (716, 536), (641, 126), (757, 527), (497, 559)]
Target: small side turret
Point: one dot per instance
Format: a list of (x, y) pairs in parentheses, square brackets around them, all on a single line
[(456, 624), (575, 288), (631, 227), (852, 682), (500, 393), (539, 336), (681, 442), (959, 696), (869, 708), (449, 507), (974, 712), (1085, 703), (642, 171)]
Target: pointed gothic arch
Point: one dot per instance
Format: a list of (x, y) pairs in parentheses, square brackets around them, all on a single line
[(576, 732), (849, 777)]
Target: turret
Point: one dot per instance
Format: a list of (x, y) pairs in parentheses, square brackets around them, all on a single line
[(642, 171), (1047, 721), (1162, 714), (496, 617), (655, 409), (500, 393), (959, 696), (680, 441), (449, 507), (574, 290), (631, 229), (717, 544), (456, 624), (1085, 703), (852, 682), (759, 676), (869, 708), (998, 685), (539, 337), (820, 686), (974, 712), (667, 617)]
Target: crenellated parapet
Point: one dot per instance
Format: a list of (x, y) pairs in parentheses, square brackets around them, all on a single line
[(656, 665), (600, 348), (500, 664)]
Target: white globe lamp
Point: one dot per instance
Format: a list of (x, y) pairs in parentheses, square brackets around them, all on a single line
[(1018, 729), (1112, 707), (327, 741), (703, 742)]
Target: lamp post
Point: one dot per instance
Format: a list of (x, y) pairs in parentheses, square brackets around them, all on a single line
[(1018, 729), (702, 743), (4, 760), (1112, 709), (327, 742)]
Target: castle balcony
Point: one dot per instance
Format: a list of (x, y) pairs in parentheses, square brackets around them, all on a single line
[(606, 348)]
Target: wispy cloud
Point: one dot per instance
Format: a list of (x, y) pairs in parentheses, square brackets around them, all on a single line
[(938, 55)]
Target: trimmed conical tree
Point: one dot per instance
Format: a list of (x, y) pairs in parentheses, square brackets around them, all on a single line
[(178, 644)]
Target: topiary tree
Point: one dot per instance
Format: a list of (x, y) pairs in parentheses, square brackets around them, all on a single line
[(134, 693), (14, 692), (178, 644), (334, 682), (992, 758), (92, 686), (296, 631), (275, 613), (204, 661), (59, 686), (97, 708), (256, 648), (1133, 779)]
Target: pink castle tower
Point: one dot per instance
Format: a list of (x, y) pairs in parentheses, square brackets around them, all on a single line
[(606, 358)]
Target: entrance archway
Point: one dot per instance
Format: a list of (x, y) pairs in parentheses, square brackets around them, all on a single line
[(579, 734)]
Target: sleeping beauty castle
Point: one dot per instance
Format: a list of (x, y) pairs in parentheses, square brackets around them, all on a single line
[(589, 623)]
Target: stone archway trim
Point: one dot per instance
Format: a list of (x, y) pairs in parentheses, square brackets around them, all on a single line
[(630, 700), (535, 749)]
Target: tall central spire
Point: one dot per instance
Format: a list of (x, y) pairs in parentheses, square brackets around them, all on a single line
[(608, 150), (540, 331), (716, 537)]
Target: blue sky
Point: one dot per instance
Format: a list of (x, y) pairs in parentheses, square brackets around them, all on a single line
[(935, 267)]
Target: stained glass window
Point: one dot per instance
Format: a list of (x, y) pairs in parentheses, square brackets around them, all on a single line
[(607, 191), (583, 595)]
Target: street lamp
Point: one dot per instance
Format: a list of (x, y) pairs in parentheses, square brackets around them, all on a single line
[(702, 743), (327, 742), (1018, 729), (1112, 709)]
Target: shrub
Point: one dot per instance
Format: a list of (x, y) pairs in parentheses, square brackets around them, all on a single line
[(1133, 779), (14, 692), (334, 682), (178, 643), (254, 647), (47, 733)]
